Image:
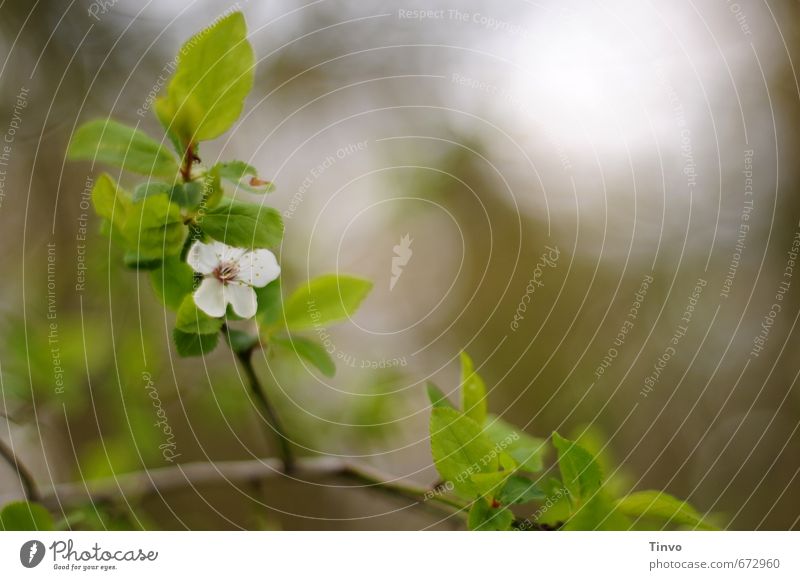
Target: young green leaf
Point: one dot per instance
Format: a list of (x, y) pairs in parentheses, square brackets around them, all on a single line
[(311, 351), (244, 176), (526, 450), (597, 513), (519, 489), (186, 195), (173, 281), (270, 303), (135, 261), (325, 300), (116, 144), (483, 517), (192, 320), (110, 201), (243, 225), (154, 229), (23, 516), (151, 188), (188, 344), (557, 503), (579, 471), (437, 397), (460, 450), (214, 75), (663, 507), (473, 391)]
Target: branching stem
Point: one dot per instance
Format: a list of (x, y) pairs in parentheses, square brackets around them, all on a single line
[(25, 477)]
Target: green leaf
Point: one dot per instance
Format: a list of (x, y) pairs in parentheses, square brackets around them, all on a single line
[(473, 391), (23, 516), (437, 397), (237, 171), (557, 503), (186, 195), (155, 228), (116, 144), (214, 75), (460, 450), (483, 517), (134, 261), (240, 341), (188, 344), (526, 450), (597, 513), (325, 300), (243, 225), (270, 303), (110, 201), (579, 470), (663, 507), (192, 320), (520, 490), (212, 191), (151, 188), (311, 351), (173, 281)]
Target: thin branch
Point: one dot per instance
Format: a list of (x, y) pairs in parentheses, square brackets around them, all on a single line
[(25, 477), (141, 484), (246, 359)]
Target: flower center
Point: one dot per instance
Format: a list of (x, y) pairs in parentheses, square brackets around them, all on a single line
[(226, 271)]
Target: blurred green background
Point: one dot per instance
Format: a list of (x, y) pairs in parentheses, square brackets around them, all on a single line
[(617, 132)]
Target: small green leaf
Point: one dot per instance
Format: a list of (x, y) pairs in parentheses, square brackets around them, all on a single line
[(154, 229), (526, 450), (558, 505), (243, 225), (188, 344), (269, 301), (483, 517), (662, 507), (325, 300), (173, 281), (116, 144), (597, 513), (490, 483), (473, 391), (311, 351), (460, 450), (214, 75), (212, 191), (437, 397), (110, 201), (520, 490), (151, 188), (134, 261), (579, 470), (23, 516), (237, 172), (192, 320), (240, 341)]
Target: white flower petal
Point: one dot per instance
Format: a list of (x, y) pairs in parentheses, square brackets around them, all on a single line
[(242, 298), (210, 298), (202, 258), (258, 268), (228, 253)]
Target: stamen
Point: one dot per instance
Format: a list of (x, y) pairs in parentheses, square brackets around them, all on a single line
[(226, 271)]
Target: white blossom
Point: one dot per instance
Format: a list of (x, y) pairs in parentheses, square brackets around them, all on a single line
[(229, 276)]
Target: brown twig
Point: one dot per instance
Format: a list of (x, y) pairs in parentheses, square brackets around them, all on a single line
[(162, 480), (25, 477)]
